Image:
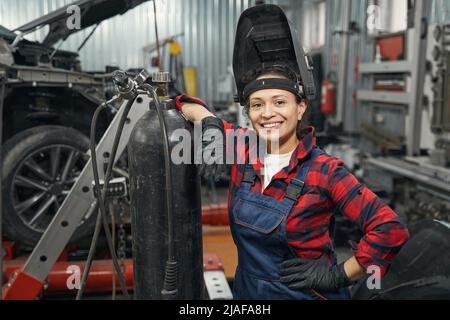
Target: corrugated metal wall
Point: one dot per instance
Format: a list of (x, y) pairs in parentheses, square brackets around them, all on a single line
[(440, 12), (208, 26)]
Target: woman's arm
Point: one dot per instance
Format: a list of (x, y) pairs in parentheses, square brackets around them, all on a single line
[(214, 146), (193, 109), (195, 112), (384, 233)]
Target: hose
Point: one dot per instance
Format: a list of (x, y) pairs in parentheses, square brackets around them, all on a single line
[(171, 270), (113, 234), (100, 194), (92, 249), (103, 193), (170, 289), (93, 246)]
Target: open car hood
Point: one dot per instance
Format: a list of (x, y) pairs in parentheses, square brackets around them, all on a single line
[(6, 33), (92, 12)]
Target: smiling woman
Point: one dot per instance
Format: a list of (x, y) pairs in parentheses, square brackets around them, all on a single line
[(281, 206)]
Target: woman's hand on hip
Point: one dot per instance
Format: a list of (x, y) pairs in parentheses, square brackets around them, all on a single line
[(313, 274)]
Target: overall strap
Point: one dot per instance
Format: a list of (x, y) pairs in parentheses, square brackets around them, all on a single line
[(249, 177), (295, 186)]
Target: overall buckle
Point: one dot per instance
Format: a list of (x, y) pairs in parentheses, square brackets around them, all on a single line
[(294, 189), (249, 174)]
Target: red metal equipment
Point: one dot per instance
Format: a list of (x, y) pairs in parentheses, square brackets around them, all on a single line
[(99, 280), (27, 288), (215, 215), (328, 104), (21, 286)]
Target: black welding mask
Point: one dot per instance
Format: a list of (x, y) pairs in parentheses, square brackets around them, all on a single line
[(266, 41)]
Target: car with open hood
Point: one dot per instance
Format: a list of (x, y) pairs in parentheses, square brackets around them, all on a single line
[(48, 105)]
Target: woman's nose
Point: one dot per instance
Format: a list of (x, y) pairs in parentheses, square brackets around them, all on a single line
[(268, 111)]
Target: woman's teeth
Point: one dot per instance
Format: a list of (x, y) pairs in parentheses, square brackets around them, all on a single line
[(271, 125)]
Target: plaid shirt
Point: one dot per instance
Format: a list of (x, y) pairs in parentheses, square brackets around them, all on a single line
[(329, 187)]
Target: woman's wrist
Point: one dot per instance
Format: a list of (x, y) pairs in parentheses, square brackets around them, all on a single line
[(353, 270), (195, 112)]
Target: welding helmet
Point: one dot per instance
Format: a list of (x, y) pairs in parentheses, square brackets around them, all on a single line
[(265, 42)]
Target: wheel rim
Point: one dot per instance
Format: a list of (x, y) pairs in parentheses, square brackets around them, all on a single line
[(42, 181)]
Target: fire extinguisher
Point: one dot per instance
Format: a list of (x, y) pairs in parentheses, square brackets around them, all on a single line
[(328, 104)]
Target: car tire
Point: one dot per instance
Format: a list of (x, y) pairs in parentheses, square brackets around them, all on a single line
[(31, 159)]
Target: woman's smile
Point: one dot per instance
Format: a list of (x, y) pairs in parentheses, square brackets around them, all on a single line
[(272, 125)]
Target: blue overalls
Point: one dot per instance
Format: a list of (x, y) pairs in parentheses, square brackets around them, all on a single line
[(258, 225)]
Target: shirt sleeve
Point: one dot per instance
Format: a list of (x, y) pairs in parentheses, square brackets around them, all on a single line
[(235, 137), (384, 232)]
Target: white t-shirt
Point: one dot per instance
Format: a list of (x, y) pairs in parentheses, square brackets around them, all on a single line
[(273, 163)]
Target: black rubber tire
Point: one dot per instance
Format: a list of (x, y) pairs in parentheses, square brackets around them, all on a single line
[(15, 150)]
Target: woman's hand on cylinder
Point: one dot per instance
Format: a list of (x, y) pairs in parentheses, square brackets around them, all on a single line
[(195, 112), (211, 156), (313, 274), (213, 150)]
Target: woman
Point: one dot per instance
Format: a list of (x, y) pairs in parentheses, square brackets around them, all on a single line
[(281, 207)]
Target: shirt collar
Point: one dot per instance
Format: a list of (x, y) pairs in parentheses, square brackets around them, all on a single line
[(304, 147)]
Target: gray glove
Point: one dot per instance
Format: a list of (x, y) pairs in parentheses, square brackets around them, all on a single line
[(213, 152)]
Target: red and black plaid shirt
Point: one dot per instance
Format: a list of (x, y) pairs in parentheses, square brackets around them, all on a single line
[(329, 187)]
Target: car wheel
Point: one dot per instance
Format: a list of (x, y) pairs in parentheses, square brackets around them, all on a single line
[(40, 165)]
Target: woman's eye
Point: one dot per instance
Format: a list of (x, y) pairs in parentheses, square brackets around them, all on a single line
[(280, 103), (256, 106)]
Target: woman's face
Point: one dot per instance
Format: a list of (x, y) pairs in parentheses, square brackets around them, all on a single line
[(274, 114)]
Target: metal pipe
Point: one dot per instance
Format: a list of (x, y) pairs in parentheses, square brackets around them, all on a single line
[(2, 95), (160, 65), (411, 174), (99, 277), (215, 215), (421, 10), (346, 11)]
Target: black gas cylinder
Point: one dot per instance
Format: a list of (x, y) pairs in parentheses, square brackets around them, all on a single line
[(148, 210)]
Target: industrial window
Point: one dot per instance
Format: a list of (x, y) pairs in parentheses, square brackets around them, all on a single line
[(387, 16), (314, 23)]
